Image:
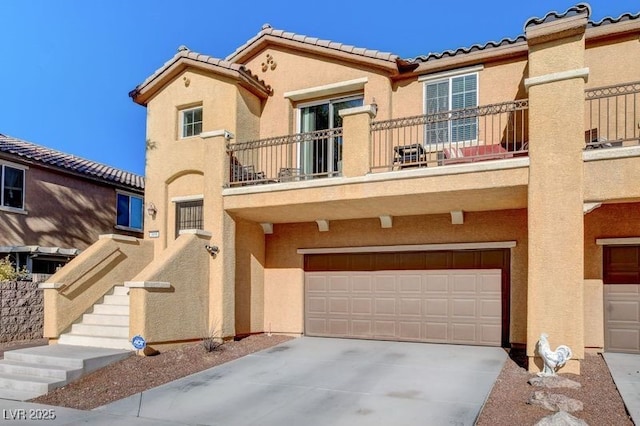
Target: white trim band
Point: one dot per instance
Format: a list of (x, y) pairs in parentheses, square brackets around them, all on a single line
[(611, 153), (216, 133), (630, 241), (327, 89), (147, 284), (556, 76), (198, 232), (184, 198), (452, 73), (407, 248), (44, 286), (358, 110), (116, 237)]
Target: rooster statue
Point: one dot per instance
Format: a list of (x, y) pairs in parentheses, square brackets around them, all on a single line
[(552, 359)]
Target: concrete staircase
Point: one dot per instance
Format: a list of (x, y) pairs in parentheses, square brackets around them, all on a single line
[(101, 338), (31, 372), (106, 327)]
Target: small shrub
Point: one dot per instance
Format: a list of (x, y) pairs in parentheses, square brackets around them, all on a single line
[(212, 341), (8, 271)]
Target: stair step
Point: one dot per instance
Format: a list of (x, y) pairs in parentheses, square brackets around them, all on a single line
[(16, 395), (98, 330), (120, 290), (19, 368), (98, 342), (103, 319), (29, 383), (111, 299), (111, 309)]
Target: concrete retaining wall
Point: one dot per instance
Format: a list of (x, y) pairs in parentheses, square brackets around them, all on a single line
[(21, 311)]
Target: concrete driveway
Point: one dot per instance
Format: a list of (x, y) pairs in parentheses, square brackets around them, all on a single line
[(322, 381)]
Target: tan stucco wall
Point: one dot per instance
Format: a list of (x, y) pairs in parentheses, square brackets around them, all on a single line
[(291, 74), (250, 259), (613, 61), (610, 180), (284, 276), (108, 262), (62, 211), (180, 312), (593, 315)]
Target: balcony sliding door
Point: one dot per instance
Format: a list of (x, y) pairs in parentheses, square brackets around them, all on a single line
[(320, 151)]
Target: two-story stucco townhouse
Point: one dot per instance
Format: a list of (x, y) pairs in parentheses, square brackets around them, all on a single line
[(54, 204), (477, 196)]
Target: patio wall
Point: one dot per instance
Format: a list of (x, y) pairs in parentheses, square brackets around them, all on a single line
[(21, 311)]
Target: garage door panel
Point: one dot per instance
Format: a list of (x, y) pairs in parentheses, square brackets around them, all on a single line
[(362, 284), (385, 284), (385, 306), (464, 283), (410, 330), (436, 283), (490, 309), (463, 333), (339, 284), (427, 306), (410, 284), (339, 306), (463, 308), (361, 306), (624, 340), (411, 307), (385, 329), (622, 317), (437, 332)]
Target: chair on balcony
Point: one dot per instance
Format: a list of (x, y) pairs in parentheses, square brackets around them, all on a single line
[(245, 174), (593, 141), (407, 156), (289, 174)]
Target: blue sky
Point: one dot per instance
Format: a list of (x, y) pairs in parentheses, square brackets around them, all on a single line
[(67, 66)]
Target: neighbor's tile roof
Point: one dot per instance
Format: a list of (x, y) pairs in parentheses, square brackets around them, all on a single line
[(69, 163), (267, 30)]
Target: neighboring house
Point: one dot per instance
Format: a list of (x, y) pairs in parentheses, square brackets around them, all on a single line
[(482, 195), (53, 205)]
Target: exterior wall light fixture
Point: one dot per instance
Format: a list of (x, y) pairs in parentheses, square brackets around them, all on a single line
[(151, 209)]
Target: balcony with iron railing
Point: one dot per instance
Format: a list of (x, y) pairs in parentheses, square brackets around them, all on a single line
[(612, 116), (471, 135), (490, 132)]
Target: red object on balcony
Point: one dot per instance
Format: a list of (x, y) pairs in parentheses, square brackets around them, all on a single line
[(471, 154)]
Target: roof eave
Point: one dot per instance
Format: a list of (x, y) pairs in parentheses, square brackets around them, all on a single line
[(144, 92), (263, 41), (594, 33), (464, 59)]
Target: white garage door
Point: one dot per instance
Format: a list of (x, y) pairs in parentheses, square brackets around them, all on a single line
[(440, 306), (622, 318)]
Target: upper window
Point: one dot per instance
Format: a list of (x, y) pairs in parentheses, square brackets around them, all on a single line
[(129, 211), (12, 184), (191, 122), (450, 94)]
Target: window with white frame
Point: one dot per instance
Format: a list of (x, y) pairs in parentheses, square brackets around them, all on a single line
[(12, 183), (191, 122), (450, 94), (129, 211)]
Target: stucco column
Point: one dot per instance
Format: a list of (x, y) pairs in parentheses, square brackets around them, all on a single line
[(555, 198), (356, 140), (223, 229)]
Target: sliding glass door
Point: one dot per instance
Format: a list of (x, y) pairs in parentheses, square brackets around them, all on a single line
[(321, 149)]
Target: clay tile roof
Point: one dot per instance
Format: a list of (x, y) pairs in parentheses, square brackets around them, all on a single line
[(578, 9), (551, 16), (465, 50), (267, 30), (69, 163), (184, 52), (610, 20)]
